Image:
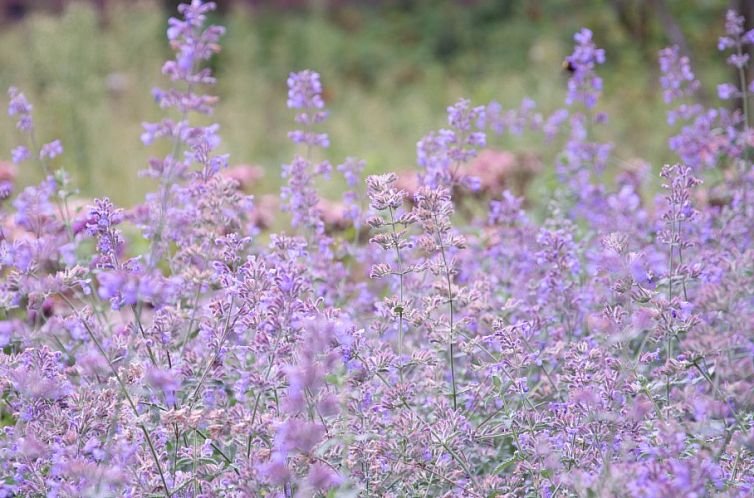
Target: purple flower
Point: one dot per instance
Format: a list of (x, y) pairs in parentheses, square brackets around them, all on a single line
[(20, 154), (275, 471), (734, 24), (51, 150), (735, 38), (305, 91), (310, 139), (738, 60), (584, 86), (463, 118), (103, 217), (298, 435), (7, 328), (192, 44), (19, 106), (727, 91), (322, 477), (299, 196), (440, 153), (640, 272), (165, 381), (677, 80)]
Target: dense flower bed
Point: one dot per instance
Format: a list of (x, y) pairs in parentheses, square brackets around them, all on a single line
[(407, 350)]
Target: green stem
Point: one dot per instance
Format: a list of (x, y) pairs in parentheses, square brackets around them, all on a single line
[(451, 339), (192, 399), (747, 147), (400, 295)]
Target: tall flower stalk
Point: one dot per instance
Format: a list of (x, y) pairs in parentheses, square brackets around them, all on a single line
[(384, 198), (193, 44), (433, 210), (737, 38)]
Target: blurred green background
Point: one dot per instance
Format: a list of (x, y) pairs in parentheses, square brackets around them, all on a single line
[(390, 69)]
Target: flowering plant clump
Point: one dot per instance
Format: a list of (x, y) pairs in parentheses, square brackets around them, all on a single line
[(409, 345)]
